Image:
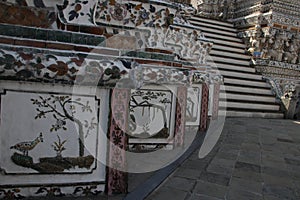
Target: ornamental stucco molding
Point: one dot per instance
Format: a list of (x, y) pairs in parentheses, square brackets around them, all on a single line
[(103, 71), (290, 21), (215, 9), (130, 14), (283, 88), (205, 77), (188, 43), (271, 63), (274, 44), (157, 25)]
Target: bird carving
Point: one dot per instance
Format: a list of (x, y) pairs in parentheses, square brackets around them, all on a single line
[(24, 147)]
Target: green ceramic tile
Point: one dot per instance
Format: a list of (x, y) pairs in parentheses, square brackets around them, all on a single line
[(95, 41), (26, 32), (8, 30), (41, 34), (63, 36), (79, 38)]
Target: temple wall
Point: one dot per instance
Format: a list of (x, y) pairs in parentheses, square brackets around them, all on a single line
[(88, 82)]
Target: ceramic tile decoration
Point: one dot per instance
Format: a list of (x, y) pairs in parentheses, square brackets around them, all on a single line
[(117, 177), (193, 107), (63, 122), (204, 108), (98, 79), (57, 134), (216, 99), (152, 115), (210, 99), (180, 116)]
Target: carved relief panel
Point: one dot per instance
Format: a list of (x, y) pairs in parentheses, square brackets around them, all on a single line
[(52, 139)]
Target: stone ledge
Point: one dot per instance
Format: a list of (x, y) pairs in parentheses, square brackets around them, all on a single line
[(50, 35)]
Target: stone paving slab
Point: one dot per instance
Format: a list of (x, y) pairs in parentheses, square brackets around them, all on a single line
[(253, 159)]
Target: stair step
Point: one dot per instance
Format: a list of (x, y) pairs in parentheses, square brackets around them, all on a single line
[(220, 27), (244, 93), (241, 75), (243, 97), (239, 45), (233, 68), (256, 114), (247, 90), (247, 83), (248, 94), (249, 106), (229, 60), (230, 49), (212, 35), (211, 21), (230, 55)]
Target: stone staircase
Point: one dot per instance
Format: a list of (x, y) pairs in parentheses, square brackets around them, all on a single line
[(245, 93)]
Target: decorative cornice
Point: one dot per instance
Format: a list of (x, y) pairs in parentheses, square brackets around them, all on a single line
[(90, 70), (271, 63), (129, 14)]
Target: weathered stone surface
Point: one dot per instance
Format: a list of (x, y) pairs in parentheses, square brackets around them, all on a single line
[(246, 185), (251, 157), (122, 42), (276, 177), (241, 166), (282, 192), (202, 197), (210, 189), (27, 16), (196, 164), (235, 194), (278, 181), (168, 193), (218, 179), (276, 172), (219, 169), (188, 173), (180, 183), (247, 175)]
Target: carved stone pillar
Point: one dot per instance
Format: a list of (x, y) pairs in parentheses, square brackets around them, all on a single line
[(216, 95), (116, 175), (180, 116), (204, 107)]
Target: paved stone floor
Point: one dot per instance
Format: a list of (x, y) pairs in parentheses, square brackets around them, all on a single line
[(254, 159)]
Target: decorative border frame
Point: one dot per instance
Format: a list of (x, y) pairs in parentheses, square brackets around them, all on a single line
[(94, 185), (215, 111), (204, 108), (116, 175), (180, 116), (54, 93), (171, 105), (171, 120), (197, 122)]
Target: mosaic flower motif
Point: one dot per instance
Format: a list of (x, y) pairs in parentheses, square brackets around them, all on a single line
[(144, 15), (7, 61), (118, 12)]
